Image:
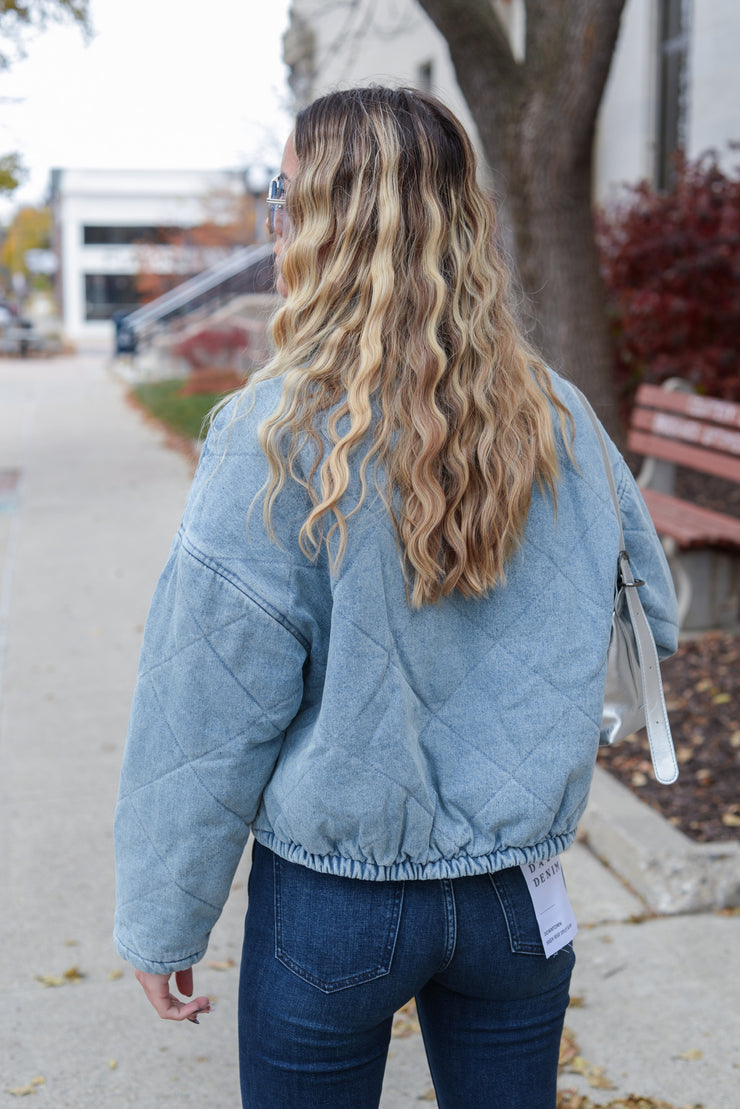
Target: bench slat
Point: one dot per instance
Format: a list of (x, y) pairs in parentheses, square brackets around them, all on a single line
[(713, 409), (684, 454), (690, 525), (671, 426), (700, 433)]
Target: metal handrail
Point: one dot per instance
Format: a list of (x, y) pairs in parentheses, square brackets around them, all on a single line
[(172, 302)]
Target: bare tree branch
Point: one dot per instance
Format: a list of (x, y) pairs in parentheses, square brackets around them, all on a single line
[(18, 17), (471, 23), (353, 22)]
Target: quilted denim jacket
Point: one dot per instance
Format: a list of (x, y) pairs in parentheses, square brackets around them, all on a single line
[(347, 731)]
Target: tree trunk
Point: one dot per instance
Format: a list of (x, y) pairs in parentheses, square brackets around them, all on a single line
[(558, 268), (536, 120)]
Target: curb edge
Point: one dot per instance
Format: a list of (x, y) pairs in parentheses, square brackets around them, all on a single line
[(670, 872)]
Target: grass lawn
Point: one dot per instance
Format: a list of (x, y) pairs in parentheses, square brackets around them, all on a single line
[(185, 415)]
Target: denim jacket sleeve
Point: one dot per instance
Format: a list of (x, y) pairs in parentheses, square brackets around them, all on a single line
[(220, 679), (645, 549)]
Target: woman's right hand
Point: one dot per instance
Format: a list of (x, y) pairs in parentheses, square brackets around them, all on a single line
[(157, 989)]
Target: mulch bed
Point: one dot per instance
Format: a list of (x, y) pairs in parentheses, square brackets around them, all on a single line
[(702, 689)]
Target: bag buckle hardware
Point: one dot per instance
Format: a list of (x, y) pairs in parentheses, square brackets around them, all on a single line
[(634, 582)]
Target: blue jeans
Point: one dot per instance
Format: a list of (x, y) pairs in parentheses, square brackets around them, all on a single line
[(327, 961)]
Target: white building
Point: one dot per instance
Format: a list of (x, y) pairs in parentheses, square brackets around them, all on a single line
[(109, 223), (674, 79)]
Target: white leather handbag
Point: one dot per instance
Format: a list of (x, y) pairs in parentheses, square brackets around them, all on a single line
[(633, 697)]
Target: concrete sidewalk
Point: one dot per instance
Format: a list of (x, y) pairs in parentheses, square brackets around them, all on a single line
[(90, 499)]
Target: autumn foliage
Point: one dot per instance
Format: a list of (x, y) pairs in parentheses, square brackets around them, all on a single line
[(671, 266), (176, 254), (214, 355), (213, 346)]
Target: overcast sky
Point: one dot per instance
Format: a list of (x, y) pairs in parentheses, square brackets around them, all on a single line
[(162, 84)]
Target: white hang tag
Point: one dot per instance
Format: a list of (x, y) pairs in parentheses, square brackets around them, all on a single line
[(555, 918)]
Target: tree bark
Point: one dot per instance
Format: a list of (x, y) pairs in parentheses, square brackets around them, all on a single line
[(536, 121)]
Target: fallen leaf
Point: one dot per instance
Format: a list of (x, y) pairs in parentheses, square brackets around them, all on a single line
[(39, 1080), (721, 699), (598, 1080), (691, 1055), (114, 975), (22, 1091), (571, 1099), (568, 1048), (223, 964), (428, 1095), (731, 820), (639, 779), (72, 974), (112, 1064), (49, 980), (405, 1021)]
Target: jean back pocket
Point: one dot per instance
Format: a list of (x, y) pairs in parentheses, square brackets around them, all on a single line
[(516, 905), (334, 932)]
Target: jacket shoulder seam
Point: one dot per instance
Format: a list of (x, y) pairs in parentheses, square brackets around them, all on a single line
[(215, 567)]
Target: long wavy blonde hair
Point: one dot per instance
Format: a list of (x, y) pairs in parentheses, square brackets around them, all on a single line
[(401, 357)]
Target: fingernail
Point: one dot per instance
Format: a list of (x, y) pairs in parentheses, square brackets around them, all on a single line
[(194, 1019)]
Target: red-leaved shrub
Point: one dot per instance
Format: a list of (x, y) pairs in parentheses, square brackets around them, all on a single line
[(213, 346), (671, 266)]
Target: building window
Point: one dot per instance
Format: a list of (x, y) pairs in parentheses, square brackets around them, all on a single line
[(94, 235), (424, 75), (106, 293), (673, 38)]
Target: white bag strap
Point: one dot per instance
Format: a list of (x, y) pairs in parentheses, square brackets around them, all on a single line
[(656, 714)]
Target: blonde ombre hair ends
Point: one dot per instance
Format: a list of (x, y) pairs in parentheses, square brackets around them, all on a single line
[(400, 355)]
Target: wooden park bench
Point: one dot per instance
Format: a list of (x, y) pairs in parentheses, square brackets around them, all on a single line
[(671, 426)]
